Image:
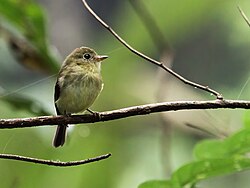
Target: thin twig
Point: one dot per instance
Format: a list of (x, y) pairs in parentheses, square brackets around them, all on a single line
[(122, 113), (202, 129), (53, 163), (244, 16), (160, 64)]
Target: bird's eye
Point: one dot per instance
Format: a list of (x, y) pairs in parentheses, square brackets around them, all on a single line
[(87, 56)]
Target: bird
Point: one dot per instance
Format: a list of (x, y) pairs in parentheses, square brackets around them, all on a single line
[(79, 83)]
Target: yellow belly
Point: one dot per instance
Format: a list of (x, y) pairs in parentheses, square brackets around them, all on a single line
[(79, 94)]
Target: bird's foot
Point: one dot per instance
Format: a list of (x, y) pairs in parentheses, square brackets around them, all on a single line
[(95, 113)]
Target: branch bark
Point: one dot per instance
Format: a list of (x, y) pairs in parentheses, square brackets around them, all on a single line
[(122, 113), (53, 163)]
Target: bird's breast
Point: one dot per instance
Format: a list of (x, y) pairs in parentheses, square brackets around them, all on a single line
[(78, 92)]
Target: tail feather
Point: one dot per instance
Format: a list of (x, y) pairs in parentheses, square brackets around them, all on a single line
[(60, 135)]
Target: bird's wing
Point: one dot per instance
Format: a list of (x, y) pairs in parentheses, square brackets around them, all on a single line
[(56, 96)]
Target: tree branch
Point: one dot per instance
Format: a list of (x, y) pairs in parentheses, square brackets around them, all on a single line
[(160, 64), (122, 113), (53, 163), (244, 16)]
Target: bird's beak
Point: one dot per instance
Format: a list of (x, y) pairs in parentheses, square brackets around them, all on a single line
[(100, 57)]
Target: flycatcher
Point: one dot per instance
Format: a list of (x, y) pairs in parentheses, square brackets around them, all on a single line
[(79, 83)]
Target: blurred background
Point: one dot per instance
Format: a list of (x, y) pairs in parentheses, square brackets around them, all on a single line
[(204, 41)]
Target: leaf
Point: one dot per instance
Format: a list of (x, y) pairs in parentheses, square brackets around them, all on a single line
[(233, 146), (19, 102), (189, 175), (29, 19), (192, 173), (216, 158)]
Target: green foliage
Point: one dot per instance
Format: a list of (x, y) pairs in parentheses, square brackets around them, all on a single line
[(19, 102), (191, 174), (31, 22), (214, 158), (235, 146)]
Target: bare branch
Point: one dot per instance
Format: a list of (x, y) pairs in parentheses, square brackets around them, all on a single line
[(53, 163), (244, 16), (160, 64), (122, 113)]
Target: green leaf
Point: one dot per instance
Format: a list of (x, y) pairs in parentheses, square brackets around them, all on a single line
[(189, 175), (156, 184), (192, 173), (233, 146), (29, 19), (19, 102), (216, 157)]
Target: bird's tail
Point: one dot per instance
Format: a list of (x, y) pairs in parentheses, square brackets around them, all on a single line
[(60, 135)]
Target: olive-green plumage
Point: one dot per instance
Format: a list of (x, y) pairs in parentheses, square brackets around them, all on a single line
[(78, 85)]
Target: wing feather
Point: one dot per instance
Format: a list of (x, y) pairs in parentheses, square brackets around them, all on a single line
[(56, 97)]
